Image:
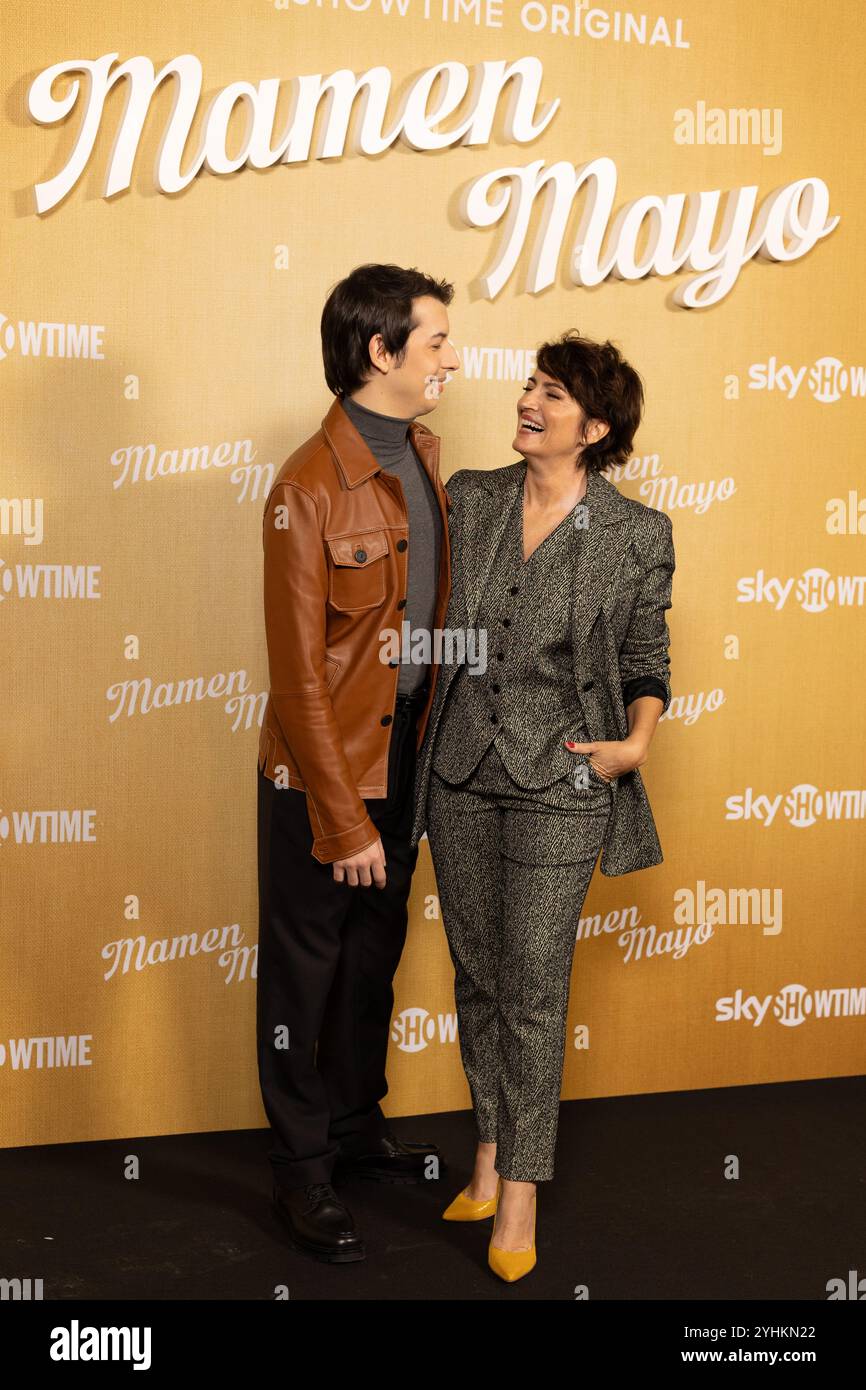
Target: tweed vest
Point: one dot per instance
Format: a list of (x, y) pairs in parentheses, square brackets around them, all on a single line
[(525, 700)]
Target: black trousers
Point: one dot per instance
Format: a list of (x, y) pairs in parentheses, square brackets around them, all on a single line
[(326, 962)]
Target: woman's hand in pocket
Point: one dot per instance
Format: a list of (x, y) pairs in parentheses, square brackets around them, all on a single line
[(611, 759)]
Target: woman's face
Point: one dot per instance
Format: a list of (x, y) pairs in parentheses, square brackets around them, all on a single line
[(550, 422)]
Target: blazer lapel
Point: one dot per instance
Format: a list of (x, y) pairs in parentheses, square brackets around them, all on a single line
[(484, 516), (604, 546), (485, 513)]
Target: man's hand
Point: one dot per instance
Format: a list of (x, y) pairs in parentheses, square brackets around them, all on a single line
[(358, 868), (612, 759)]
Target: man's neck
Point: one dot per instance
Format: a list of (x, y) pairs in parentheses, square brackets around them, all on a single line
[(376, 404), (386, 436)]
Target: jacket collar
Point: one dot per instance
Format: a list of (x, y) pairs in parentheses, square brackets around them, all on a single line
[(355, 461), (600, 557), (606, 504)]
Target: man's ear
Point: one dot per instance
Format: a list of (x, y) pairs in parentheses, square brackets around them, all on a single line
[(377, 351)]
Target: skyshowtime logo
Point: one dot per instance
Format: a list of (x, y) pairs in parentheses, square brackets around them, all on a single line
[(33, 338)]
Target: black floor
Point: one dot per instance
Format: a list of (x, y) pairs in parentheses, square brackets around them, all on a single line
[(640, 1209)]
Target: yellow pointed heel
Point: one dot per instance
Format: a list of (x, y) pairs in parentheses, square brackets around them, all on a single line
[(513, 1264), (465, 1208)]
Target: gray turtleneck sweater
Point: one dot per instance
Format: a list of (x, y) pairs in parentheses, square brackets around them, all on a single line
[(387, 438)]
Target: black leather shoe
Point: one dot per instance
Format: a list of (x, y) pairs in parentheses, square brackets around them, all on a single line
[(319, 1223), (389, 1159)]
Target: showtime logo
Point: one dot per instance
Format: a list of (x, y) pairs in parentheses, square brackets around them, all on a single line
[(33, 338), (804, 806), (828, 379), (414, 1029), (817, 591), (50, 581), (792, 1005), (55, 827)]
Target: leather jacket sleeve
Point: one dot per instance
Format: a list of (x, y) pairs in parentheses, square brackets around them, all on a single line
[(645, 649), (295, 593)]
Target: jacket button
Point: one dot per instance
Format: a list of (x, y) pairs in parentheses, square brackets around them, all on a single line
[(360, 556), (401, 603), (587, 685), (506, 622), (494, 718), (514, 589), (401, 545), (386, 719), (495, 689)]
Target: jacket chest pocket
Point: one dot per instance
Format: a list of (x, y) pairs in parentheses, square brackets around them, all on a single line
[(357, 570)]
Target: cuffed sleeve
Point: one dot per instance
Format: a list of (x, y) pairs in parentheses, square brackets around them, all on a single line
[(645, 652), (643, 685), (295, 593)]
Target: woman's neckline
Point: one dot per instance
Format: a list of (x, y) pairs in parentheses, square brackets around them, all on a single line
[(521, 502)]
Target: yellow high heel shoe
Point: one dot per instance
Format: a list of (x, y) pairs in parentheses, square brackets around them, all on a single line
[(513, 1264), (465, 1208)]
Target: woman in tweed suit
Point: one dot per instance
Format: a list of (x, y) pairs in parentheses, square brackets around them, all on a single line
[(529, 762)]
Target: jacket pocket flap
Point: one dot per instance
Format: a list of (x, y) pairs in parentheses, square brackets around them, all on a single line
[(358, 551)]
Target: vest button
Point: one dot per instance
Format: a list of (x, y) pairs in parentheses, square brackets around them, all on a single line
[(495, 689), (514, 589), (506, 622), (494, 718), (587, 685), (386, 719), (360, 556), (402, 545)]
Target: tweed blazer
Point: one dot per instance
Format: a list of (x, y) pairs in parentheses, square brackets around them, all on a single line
[(621, 589)]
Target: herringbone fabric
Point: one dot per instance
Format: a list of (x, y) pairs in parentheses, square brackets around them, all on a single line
[(512, 868), (515, 822), (525, 698), (619, 589)]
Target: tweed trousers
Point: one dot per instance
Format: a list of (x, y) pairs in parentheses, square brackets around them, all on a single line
[(513, 867)]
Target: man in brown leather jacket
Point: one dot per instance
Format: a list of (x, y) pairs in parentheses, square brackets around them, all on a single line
[(355, 548)]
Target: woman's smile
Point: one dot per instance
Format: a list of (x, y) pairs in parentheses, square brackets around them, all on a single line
[(530, 424)]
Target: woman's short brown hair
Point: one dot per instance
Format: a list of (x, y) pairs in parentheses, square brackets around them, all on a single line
[(605, 386)]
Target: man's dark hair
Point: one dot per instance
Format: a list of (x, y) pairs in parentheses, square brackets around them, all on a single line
[(605, 386), (373, 299)]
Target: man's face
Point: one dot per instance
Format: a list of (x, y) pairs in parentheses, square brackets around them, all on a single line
[(414, 387)]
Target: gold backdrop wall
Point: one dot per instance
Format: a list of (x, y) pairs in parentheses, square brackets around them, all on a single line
[(127, 813)]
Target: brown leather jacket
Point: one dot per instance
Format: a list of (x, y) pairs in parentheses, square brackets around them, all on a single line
[(335, 536)]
